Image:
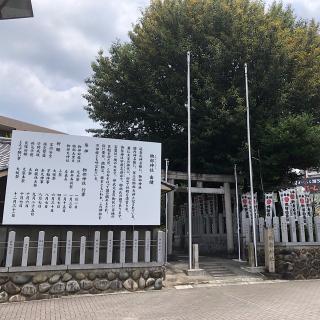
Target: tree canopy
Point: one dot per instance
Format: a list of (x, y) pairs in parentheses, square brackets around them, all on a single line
[(138, 90)]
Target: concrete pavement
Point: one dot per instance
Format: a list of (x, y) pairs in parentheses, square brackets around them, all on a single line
[(294, 300), (217, 270)]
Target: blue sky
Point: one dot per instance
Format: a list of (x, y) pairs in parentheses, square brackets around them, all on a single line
[(45, 60)]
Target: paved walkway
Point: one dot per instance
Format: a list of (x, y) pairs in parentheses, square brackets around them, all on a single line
[(293, 300), (217, 270)]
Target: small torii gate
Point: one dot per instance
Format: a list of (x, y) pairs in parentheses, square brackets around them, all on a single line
[(225, 180)]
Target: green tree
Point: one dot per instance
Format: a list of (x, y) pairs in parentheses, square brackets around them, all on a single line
[(138, 91)]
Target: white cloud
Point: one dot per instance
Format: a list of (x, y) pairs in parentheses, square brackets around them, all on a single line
[(58, 109), (25, 86), (306, 9), (45, 60)]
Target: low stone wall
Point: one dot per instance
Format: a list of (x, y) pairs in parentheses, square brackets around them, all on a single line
[(44, 285), (298, 262)]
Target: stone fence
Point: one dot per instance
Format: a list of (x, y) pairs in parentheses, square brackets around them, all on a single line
[(114, 252), (296, 245), (301, 230), (48, 268)]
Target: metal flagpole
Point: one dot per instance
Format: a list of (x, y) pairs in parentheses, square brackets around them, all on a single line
[(189, 166), (237, 204), (250, 168), (166, 178)]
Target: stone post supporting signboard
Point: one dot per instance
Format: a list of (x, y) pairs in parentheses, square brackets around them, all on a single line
[(276, 229), (96, 247), (122, 247), (68, 248), (257, 228), (268, 222), (269, 250), (302, 235), (40, 249), (261, 228), (3, 239), (284, 229), (54, 251), (246, 230), (25, 251), (110, 247), (10, 248), (317, 227), (160, 247), (310, 229), (135, 246), (147, 243), (293, 229), (82, 250)]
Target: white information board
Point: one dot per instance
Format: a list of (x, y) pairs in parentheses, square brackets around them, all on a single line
[(57, 179)]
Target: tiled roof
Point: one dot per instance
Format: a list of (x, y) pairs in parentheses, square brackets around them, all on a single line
[(4, 153)]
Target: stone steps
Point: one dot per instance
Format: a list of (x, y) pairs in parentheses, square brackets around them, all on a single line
[(216, 270)]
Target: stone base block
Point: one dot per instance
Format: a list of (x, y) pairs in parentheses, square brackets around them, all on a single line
[(195, 272), (254, 269), (242, 261)]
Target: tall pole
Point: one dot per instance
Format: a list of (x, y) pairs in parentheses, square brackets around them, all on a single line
[(250, 168), (237, 204), (260, 171), (189, 166), (166, 178)]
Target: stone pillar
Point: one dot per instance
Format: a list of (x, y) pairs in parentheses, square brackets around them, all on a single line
[(227, 205), (261, 229), (317, 227), (310, 229), (251, 255), (170, 217), (301, 228), (284, 229), (276, 229), (195, 256), (269, 250), (293, 229), (3, 238), (246, 231)]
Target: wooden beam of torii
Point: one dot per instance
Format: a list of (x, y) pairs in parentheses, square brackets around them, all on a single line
[(201, 190), (177, 175)]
